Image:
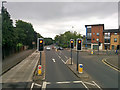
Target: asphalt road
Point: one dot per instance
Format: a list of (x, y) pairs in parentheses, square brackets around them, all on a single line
[(58, 75), (105, 76)]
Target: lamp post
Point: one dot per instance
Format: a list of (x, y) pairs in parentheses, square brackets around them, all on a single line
[(2, 5)]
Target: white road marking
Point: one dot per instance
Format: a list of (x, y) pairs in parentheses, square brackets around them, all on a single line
[(63, 61), (77, 81), (90, 83), (32, 86), (97, 85), (53, 60), (66, 61), (59, 56), (62, 82), (48, 83), (85, 85), (66, 57), (44, 85), (37, 84), (67, 82)]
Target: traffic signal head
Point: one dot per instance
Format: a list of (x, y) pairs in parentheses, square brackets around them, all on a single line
[(71, 43), (79, 44), (40, 44), (99, 43)]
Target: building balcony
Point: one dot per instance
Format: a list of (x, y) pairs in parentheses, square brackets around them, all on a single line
[(106, 37), (106, 43)]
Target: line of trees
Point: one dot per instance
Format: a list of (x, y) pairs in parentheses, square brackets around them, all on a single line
[(63, 40), (16, 37)]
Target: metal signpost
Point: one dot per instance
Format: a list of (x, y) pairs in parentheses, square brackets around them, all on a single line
[(79, 48), (40, 48)]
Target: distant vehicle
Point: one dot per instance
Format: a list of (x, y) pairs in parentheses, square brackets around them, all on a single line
[(59, 48), (48, 48), (53, 47)]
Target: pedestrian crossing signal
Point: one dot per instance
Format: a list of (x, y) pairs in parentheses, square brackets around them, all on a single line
[(40, 44), (79, 44), (71, 43)]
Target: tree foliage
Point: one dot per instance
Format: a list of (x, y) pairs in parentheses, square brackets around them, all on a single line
[(48, 41), (22, 34), (63, 40)]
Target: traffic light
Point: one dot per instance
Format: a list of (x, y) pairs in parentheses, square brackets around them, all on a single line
[(79, 44), (71, 43), (40, 44)]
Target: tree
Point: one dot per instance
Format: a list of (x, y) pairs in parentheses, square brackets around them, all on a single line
[(48, 41), (64, 39)]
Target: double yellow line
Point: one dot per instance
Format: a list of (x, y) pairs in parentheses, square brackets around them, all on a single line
[(104, 61)]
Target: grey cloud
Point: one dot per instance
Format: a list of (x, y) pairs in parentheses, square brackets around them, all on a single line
[(60, 10)]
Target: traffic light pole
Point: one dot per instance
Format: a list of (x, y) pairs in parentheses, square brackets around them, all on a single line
[(77, 59), (98, 48), (40, 58), (71, 56)]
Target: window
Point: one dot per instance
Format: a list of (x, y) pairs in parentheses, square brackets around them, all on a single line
[(115, 33), (97, 34), (115, 39), (89, 30), (88, 34), (97, 39), (93, 33), (108, 34), (107, 40), (93, 39), (112, 46)]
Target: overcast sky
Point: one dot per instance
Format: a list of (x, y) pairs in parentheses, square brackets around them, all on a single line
[(52, 18)]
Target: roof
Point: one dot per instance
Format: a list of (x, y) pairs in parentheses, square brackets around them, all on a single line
[(111, 30), (95, 25)]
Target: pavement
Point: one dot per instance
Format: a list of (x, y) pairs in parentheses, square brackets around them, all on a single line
[(38, 79), (14, 59), (20, 76)]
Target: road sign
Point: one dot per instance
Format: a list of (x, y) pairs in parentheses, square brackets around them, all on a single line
[(80, 66), (39, 69), (79, 44), (71, 43), (40, 44)]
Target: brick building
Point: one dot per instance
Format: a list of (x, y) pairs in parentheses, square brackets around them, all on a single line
[(94, 35), (108, 38)]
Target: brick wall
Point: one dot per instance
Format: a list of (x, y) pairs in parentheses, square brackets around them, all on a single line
[(97, 29)]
